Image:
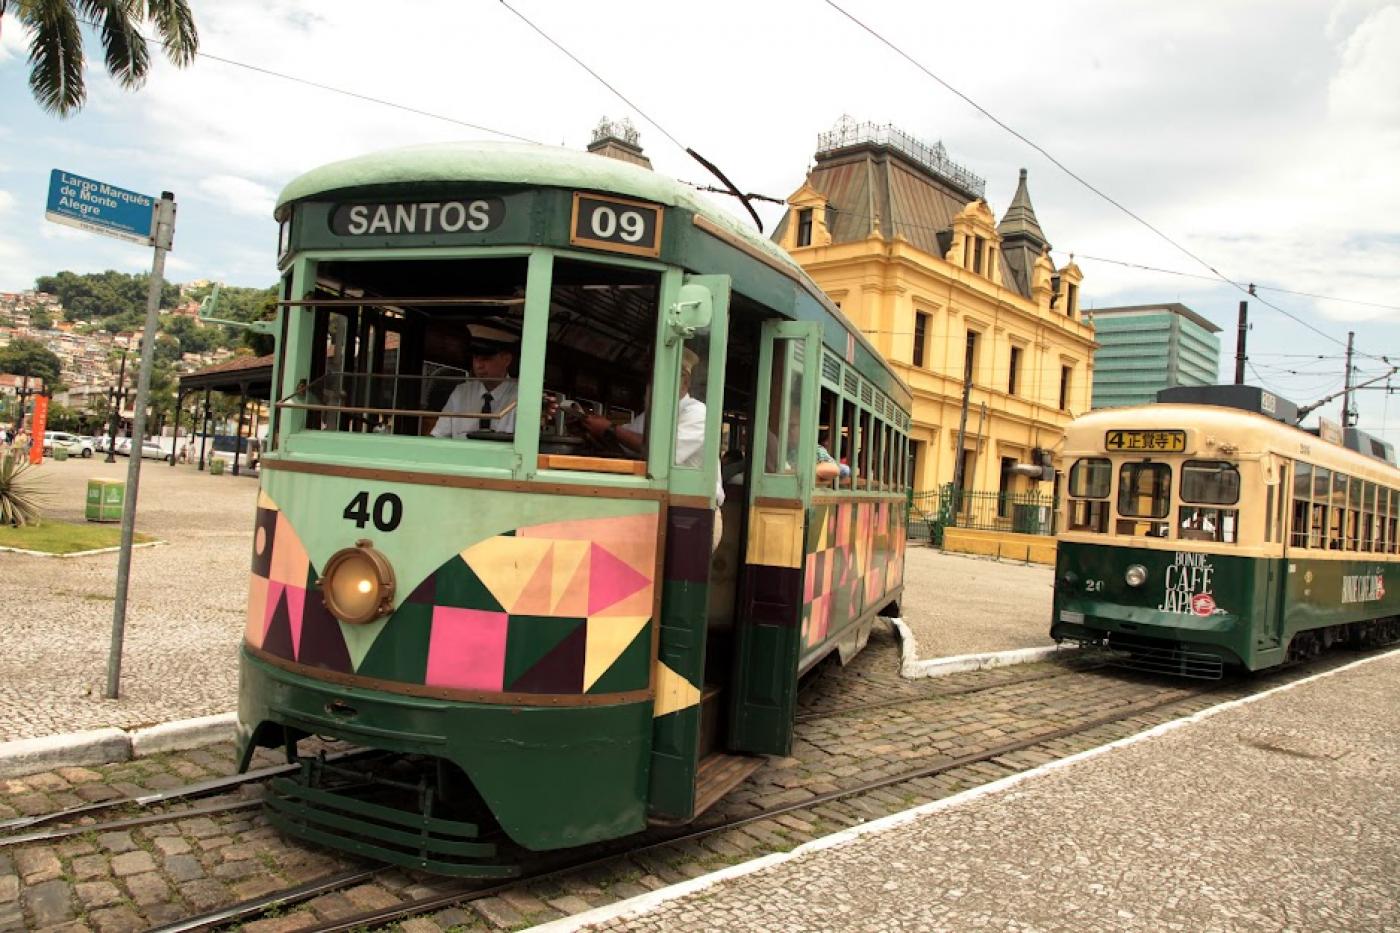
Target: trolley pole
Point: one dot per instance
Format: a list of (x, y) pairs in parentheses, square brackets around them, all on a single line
[(163, 237), (1239, 343), (1347, 413)]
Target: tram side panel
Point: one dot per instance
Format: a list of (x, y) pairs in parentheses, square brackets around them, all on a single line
[(519, 648), (1321, 593), (853, 567)]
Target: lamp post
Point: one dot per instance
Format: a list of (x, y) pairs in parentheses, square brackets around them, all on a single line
[(118, 394)]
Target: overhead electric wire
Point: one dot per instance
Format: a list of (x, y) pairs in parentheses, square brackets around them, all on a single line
[(1072, 174), (330, 88), (709, 166)]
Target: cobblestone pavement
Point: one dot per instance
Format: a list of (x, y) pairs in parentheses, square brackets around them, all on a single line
[(185, 610), (1273, 816), (127, 880), (959, 604)]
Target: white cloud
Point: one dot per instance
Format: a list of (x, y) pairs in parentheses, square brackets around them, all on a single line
[(238, 195), (7, 201)]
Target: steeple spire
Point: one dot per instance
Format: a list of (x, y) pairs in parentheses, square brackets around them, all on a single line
[(1019, 219)]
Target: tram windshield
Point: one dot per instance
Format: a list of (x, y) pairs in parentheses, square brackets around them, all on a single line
[(433, 348)]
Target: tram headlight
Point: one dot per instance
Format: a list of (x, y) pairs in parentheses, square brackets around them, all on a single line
[(1135, 575), (358, 584)]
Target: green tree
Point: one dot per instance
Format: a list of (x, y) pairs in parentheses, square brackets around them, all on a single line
[(40, 319), (24, 354), (56, 43)]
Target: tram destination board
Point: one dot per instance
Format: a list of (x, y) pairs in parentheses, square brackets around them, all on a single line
[(1167, 442), (616, 224)]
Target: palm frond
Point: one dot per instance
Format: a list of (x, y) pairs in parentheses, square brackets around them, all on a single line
[(55, 55), (21, 495), (127, 56), (175, 23)]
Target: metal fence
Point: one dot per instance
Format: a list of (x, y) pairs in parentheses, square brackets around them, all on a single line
[(1029, 513)]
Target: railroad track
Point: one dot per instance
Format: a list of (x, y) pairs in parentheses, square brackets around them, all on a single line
[(456, 894)]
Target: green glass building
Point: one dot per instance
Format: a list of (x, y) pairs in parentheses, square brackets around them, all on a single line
[(1143, 348)]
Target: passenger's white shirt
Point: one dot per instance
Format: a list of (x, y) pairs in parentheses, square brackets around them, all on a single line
[(690, 436), (468, 397)]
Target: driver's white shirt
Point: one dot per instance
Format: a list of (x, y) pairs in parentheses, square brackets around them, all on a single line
[(468, 397), (690, 436)]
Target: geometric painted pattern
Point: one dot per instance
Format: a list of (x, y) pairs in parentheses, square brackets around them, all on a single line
[(557, 608), (855, 554)]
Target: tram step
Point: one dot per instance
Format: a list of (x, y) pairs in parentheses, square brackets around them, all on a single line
[(719, 774), (711, 709)]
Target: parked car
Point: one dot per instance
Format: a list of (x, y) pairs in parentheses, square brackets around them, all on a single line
[(75, 445), (150, 450)]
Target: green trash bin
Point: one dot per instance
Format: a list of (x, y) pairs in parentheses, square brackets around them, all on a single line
[(60, 453), (216, 466), (105, 498)]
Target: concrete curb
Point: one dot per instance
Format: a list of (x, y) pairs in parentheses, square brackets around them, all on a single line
[(111, 745), (88, 553), (911, 667), (640, 905)]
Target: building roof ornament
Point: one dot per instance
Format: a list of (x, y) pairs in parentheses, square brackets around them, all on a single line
[(933, 158), (1019, 219)]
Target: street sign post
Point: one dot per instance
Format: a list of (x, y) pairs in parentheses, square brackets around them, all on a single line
[(98, 207)]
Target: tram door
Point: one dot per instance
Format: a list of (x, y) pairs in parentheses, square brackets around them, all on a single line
[(1269, 632), (768, 630)]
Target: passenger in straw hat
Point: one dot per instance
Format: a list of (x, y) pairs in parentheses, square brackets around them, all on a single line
[(489, 391)]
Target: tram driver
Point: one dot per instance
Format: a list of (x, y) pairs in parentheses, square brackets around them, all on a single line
[(493, 352)]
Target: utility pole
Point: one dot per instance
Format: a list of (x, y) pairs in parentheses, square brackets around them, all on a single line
[(1348, 416), (1239, 343), (118, 394), (958, 477)]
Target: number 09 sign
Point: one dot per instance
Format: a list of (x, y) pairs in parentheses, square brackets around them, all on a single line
[(616, 224)]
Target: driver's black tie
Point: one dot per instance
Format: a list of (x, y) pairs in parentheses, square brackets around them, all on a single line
[(484, 424)]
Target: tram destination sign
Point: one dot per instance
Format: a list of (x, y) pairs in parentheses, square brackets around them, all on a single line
[(98, 207), (617, 224), (397, 218), (1165, 442)]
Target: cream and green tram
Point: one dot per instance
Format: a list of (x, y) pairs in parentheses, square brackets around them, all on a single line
[(1197, 537)]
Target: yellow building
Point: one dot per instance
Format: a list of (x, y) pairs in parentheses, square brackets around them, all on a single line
[(902, 239)]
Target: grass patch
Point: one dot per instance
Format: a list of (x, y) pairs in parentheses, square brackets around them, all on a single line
[(64, 537)]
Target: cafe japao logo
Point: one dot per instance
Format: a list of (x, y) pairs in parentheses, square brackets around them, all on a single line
[(1189, 586)]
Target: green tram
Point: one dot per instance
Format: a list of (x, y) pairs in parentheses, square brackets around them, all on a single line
[(549, 634), (1200, 537)]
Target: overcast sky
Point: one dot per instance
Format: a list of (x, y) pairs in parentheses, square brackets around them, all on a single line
[(1262, 136)]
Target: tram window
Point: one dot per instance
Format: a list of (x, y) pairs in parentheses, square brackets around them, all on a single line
[(1090, 478), (1392, 520), (1368, 517), (1337, 532), (784, 409), (845, 451), (1302, 495), (1354, 492), (1144, 489), (1201, 524), (864, 444), (1321, 498), (1210, 482), (1269, 515), (599, 358)]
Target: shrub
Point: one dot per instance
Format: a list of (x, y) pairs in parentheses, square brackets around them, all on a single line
[(21, 494)]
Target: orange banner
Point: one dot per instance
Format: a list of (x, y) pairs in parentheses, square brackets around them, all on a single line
[(38, 422)]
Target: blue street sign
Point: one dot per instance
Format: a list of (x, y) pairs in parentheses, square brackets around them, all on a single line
[(101, 208)]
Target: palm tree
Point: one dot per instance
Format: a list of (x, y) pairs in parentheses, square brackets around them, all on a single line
[(56, 47)]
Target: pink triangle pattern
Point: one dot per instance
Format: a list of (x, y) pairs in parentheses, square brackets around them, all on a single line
[(296, 605), (611, 580)]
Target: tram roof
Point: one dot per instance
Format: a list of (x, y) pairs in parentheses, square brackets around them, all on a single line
[(531, 164), (525, 164), (1251, 431)]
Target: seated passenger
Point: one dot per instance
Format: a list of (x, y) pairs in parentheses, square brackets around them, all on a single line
[(827, 467), (490, 389)]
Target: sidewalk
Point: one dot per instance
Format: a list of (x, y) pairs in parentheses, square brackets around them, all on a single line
[(1281, 812)]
